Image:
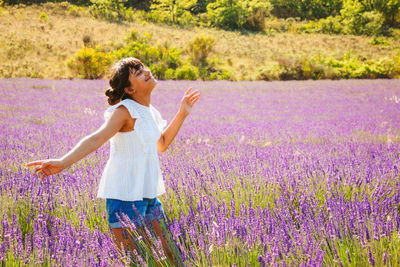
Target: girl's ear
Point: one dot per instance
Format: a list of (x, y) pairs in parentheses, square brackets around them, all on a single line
[(129, 90)]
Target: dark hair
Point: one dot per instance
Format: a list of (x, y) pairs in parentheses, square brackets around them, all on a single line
[(120, 79)]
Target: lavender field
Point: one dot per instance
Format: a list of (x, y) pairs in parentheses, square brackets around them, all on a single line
[(261, 174)]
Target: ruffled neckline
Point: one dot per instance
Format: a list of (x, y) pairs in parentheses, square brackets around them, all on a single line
[(140, 105)]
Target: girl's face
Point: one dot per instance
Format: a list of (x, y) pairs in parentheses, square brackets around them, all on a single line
[(142, 81)]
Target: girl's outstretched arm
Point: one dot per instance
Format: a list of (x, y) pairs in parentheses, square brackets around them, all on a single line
[(188, 100), (85, 146)]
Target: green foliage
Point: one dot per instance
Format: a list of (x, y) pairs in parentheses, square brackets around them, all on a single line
[(159, 58), (187, 72), (43, 17), (255, 13), (356, 21), (90, 63), (317, 67), (306, 9), (111, 10), (225, 14), (390, 9), (330, 25), (172, 11), (235, 14), (220, 74), (300, 68), (353, 19), (379, 41), (351, 68), (396, 65), (199, 49)]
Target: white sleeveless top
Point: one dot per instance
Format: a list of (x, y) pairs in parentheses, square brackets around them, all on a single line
[(133, 169)]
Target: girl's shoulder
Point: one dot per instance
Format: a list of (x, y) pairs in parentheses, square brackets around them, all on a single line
[(128, 103)]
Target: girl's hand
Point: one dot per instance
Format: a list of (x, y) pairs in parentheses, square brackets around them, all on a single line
[(46, 167), (188, 100)]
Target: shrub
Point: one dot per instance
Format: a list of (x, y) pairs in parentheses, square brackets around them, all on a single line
[(90, 63), (390, 10), (255, 13), (269, 73), (87, 40), (199, 49), (170, 74), (172, 11), (111, 10), (220, 74), (43, 17), (396, 66), (350, 67), (316, 67), (159, 58), (356, 21), (235, 14), (306, 9), (298, 68), (379, 41), (330, 25), (76, 10), (227, 14), (187, 72)]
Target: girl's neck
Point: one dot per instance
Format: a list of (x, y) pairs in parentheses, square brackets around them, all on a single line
[(143, 100)]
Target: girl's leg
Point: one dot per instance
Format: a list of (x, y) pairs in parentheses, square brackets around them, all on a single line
[(158, 230), (121, 239)]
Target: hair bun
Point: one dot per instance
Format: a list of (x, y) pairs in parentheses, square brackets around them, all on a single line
[(109, 92)]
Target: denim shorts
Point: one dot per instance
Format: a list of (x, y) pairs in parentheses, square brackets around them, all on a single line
[(137, 211)]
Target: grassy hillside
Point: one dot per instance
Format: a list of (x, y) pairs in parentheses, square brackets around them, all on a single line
[(38, 41)]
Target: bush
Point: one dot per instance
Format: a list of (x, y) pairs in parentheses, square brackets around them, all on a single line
[(220, 74), (356, 21), (255, 13), (329, 25), (297, 68), (111, 10), (172, 11), (316, 67), (159, 58), (90, 63), (351, 68), (390, 10), (396, 66), (43, 17), (170, 74), (199, 49), (353, 19), (306, 9), (226, 14), (235, 14), (187, 72)]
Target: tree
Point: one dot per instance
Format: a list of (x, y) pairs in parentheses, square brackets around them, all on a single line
[(172, 11)]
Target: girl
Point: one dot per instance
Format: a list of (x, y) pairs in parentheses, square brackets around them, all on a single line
[(131, 180)]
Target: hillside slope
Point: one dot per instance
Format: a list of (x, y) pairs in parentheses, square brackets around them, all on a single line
[(38, 41)]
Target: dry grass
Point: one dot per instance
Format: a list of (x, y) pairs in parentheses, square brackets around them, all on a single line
[(33, 47)]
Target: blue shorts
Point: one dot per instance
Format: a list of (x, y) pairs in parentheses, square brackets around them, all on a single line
[(146, 209)]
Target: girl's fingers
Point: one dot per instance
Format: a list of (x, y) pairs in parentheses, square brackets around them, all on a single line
[(194, 97), (194, 93), (37, 169), (188, 91), (195, 100), (33, 163)]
